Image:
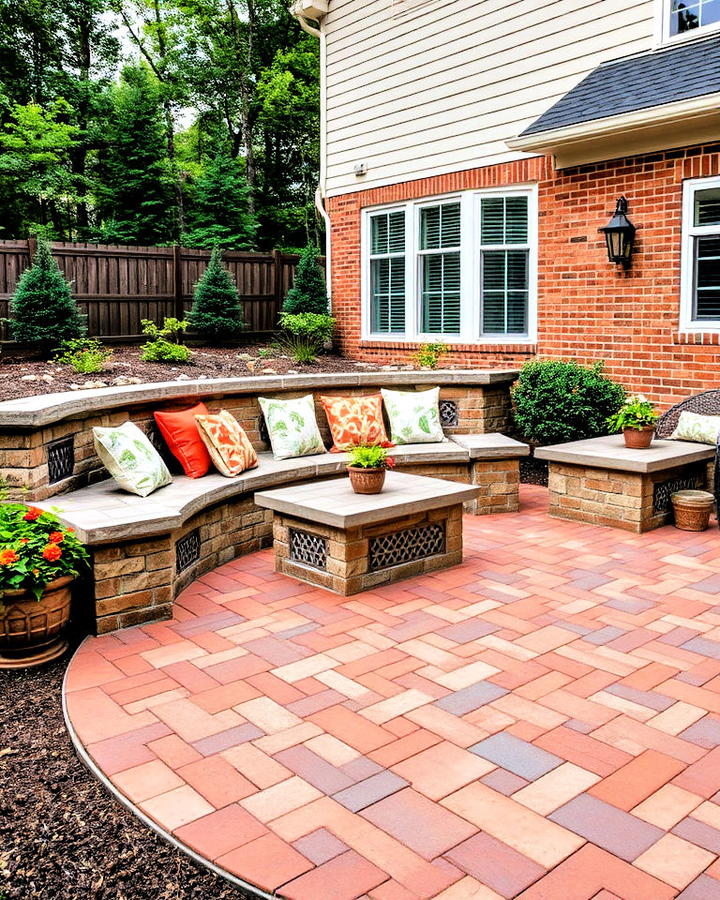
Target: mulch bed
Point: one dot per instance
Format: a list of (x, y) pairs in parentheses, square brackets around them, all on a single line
[(62, 835), (26, 376)]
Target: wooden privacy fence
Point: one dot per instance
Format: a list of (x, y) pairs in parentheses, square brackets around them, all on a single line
[(117, 286)]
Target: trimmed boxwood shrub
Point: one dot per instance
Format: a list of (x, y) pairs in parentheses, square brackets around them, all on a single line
[(555, 401)]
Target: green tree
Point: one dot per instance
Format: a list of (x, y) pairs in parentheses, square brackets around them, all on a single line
[(135, 195), (216, 313), (42, 310), (35, 145), (308, 293), (219, 214)]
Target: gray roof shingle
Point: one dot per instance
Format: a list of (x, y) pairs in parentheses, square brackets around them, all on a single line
[(638, 82)]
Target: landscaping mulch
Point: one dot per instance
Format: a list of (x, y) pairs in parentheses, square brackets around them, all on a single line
[(62, 834), (25, 375)]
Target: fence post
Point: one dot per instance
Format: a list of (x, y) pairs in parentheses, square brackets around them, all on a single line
[(278, 279), (32, 248), (178, 282)]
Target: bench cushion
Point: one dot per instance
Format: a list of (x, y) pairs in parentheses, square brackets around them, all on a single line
[(610, 452)]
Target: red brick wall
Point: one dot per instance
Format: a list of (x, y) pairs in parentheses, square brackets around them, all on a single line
[(588, 309)]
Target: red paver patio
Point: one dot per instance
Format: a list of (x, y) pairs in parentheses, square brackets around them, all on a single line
[(542, 721)]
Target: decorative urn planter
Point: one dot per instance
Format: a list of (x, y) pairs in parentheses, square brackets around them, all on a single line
[(692, 509), (365, 480), (639, 438), (32, 631)]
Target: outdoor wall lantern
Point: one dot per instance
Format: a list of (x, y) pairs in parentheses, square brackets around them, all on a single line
[(619, 235)]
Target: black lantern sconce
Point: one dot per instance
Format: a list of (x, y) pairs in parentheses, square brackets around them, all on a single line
[(619, 235)]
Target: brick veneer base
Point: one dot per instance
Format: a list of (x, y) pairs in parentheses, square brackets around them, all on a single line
[(137, 581), (347, 568), (619, 499)]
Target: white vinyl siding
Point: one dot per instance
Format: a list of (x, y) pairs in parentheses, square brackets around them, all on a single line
[(700, 303), (418, 89), (464, 268)]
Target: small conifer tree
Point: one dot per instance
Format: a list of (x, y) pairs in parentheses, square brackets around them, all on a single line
[(308, 293), (42, 310), (216, 313)]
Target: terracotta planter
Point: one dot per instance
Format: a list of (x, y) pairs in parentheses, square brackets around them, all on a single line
[(31, 631), (639, 438), (366, 481), (692, 509)]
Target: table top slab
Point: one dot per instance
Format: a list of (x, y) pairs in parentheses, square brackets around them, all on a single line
[(333, 502), (610, 452)]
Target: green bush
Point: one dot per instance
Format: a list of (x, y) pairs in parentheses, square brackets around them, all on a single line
[(308, 293), (216, 313), (305, 334), (428, 355), (86, 355), (556, 401), (163, 345), (42, 310)]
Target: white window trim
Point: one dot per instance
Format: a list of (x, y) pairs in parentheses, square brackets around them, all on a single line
[(687, 264), (663, 38), (469, 269)]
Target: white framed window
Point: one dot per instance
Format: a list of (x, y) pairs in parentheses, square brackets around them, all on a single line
[(679, 20), (700, 275), (461, 268)]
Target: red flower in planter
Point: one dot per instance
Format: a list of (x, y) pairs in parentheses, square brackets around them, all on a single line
[(390, 462), (32, 514), (52, 553), (55, 537), (8, 557)]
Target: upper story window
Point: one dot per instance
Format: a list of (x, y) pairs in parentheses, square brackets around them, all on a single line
[(461, 268), (700, 306), (689, 17)]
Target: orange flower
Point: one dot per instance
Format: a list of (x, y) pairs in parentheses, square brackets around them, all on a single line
[(52, 553), (7, 557), (24, 540), (32, 514), (56, 537)]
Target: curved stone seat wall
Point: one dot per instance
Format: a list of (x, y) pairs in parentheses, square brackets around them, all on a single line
[(46, 445)]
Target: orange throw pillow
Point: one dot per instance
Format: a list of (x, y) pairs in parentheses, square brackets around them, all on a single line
[(181, 434), (229, 447), (355, 420)]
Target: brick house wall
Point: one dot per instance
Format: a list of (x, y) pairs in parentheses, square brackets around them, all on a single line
[(588, 308)]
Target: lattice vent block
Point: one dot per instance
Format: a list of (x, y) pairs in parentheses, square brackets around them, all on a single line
[(187, 550), (449, 416), (61, 459), (308, 549), (405, 546), (663, 490)]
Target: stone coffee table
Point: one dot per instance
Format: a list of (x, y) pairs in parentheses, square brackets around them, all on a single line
[(325, 534)]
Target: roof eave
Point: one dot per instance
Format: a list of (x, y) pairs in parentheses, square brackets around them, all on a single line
[(682, 123)]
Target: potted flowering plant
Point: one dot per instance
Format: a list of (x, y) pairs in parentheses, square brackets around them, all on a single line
[(636, 419), (367, 466), (39, 558)]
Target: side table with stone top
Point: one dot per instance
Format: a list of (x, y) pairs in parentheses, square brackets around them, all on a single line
[(327, 535)]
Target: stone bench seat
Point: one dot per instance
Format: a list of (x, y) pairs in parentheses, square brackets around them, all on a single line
[(602, 481), (146, 549)]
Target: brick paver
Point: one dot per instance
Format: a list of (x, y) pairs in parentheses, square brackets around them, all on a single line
[(540, 721)]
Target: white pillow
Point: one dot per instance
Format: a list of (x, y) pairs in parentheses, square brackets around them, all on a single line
[(414, 416), (131, 459), (695, 427), (292, 427)]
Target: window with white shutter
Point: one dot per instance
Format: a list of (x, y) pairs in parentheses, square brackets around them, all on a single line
[(387, 272), (462, 268), (701, 255), (439, 253), (504, 265)]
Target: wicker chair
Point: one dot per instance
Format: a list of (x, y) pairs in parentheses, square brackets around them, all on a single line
[(707, 404)]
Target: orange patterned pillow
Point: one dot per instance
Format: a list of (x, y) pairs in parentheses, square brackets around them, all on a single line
[(227, 443), (355, 420)]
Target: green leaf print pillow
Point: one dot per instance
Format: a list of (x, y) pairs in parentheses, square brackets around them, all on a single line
[(131, 459), (694, 427), (414, 416), (292, 427)]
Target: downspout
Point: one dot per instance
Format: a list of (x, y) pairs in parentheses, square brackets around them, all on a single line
[(297, 11)]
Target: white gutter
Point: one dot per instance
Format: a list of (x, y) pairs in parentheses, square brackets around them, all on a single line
[(306, 11)]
